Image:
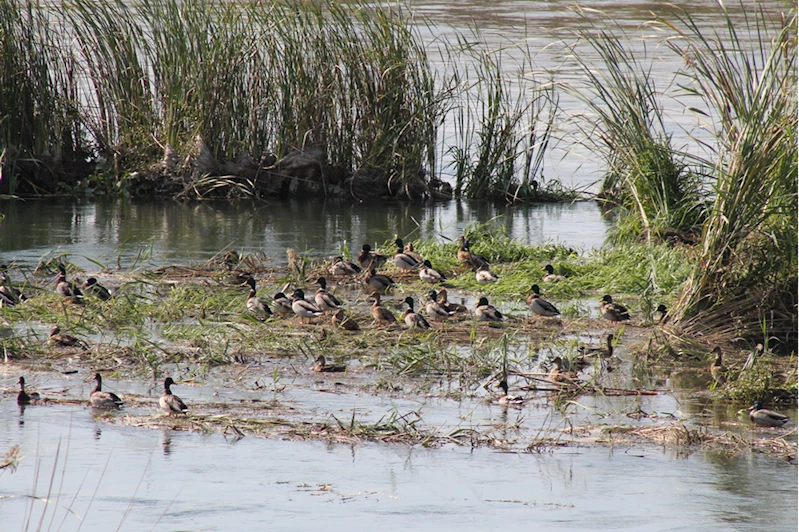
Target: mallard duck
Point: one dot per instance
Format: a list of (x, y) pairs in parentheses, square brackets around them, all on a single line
[(409, 251), (551, 276), (101, 399), (506, 399), (452, 308), (346, 323), (717, 369), (321, 366), (381, 314), (613, 311), (23, 398), (430, 275), (60, 339), (412, 319), (342, 268), (485, 276), (434, 309), (766, 418), (95, 289), (377, 282), (485, 312), (304, 308), (256, 306), (282, 304), (606, 351), (325, 300), (467, 258), (557, 374), (402, 260), (368, 259), (661, 315), (540, 306), (8, 294), (235, 275), (67, 289), (169, 402)]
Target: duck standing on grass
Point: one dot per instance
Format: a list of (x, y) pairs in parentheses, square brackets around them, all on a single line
[(100, 399), (551, 276), (67, 289), (345, 322), (255, 306), (170, 403), (304, 308), (325, 300), (467, 258), (430, 275), (767, 418), (540, 306), (412, 319), (368, 259), (486, 312), (381, 314), (377, 282), (434, 309), (282, 304), (403, 261), (342, 268), (613, 311), (95, 289), (485, 276), (23, 398)]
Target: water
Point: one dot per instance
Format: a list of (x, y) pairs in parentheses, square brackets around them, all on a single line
[(116, 233)]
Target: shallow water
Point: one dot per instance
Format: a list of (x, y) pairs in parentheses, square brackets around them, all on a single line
[(172, 480)]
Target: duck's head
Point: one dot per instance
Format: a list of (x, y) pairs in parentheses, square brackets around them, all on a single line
[(55, 330), (482, 302), (558, 362), (442, 294), (504, 385), (279, 295), (662, 308), (21, 381), (98, 378), (376, 298), (299, 294), (607, 299), (409, 301), (432, 295), (399, 243), (322, 282), (549, 269), (717, 351), (251, 282), (168, 382), (366, 248), (536, 289), (320, 360), (427, 263), (757, 405), (91, 281)]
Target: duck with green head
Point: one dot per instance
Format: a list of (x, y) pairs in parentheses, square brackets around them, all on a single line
[(255, 306), (613, 311), (766, 418), (100, 399), (324, 299), (540, 306), (304, 308), (434, 309), (428, 274), (23, 397), (484, 311), (93, 288), (411, 318), (170, 403), (550, 276)]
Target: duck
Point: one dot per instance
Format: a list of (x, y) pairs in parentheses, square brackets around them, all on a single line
[(551, 276), (304, 308), (717, 369), (557, 374), (467, 258), (59, 339), (169, 402), (409, 251), (95, 289), (485, 312), (344, 322), (256, 306), (282, 304), (325, 300), (506, 399), (767, 418), (101, 399), (8, 294), (412, 319), (661, 315), (613, 311), (430, 275), (450, 307), (368, 259), (342, 267), (540, 306), (434, 309), (67, 289), (599, 351), (485, 276), (321, 366), (381, 314), (23, 398), (402, 260), (235, 275), (377, 282)]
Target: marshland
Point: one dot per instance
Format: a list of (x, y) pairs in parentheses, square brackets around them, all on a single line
[(645, 152)]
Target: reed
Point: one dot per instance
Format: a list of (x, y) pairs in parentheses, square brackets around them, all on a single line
[(745, 280), (647, 180)]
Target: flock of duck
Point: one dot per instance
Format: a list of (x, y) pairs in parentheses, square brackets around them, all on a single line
[(436, 307)]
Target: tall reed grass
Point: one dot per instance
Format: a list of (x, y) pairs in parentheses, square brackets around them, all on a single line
[(746, 281)]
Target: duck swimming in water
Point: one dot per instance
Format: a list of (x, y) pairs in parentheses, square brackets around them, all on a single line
[(23, 398), (766, 418)]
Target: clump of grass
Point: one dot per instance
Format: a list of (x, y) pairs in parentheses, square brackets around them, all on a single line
[(746, 274)]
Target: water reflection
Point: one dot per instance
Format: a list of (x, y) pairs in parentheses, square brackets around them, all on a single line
[(120, 233)]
